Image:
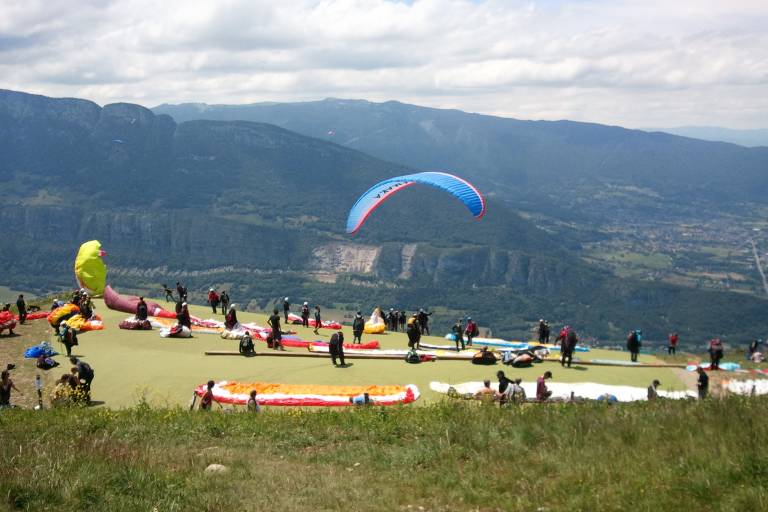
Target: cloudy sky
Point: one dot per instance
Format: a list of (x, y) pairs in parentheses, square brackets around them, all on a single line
[(658, 63)]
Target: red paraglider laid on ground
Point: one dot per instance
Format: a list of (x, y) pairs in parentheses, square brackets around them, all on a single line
[(128, 303), (7, 321), (308, 394), (331, 324)]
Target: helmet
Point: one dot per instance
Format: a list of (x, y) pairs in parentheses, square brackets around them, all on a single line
[(306, 303), (286, 298), (210, 290)]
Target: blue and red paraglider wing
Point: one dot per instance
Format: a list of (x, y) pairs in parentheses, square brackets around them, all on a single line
[(376, 195)]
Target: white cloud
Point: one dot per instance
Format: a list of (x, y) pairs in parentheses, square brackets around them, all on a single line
[(633, 63)]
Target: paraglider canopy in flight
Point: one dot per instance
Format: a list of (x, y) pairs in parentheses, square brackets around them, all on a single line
[(377, 194)]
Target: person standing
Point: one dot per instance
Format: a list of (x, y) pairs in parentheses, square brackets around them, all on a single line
[(68, 336), (542, 331), (402, 319), (414, 333), (672, 348), (305, 314), (182, 291), (213, 300), (22, 307), (286, 309), (85, 375), (6, 385), (562, 335), (471, 330), (542, 393), (567, 347), (633, 345), (277, 335), (317, 318), (168, 294), (702, 383), (715, 353), (336, 347), (423, 319), (358, 326), (458, 334), (142, 312), (86, 306), (224, 300)]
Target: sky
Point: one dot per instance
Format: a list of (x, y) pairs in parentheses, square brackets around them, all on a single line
[(650, 63)]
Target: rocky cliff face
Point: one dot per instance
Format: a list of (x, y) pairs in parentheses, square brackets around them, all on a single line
[(182, 241)]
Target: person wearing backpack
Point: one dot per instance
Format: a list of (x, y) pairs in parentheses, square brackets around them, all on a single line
[(305, 314), (213, 300), (22, 307), (141, 309), (633, 344), (246, 344), (358, 326), (286, 309), (471, 330), (567, 347), (277, 335), (715, 353), (224, 300), (68, 337), (318, 320), (414, 334), (458, 334), (85, 374), (336, 347)]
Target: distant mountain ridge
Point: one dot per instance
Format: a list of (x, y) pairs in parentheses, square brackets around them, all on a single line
[(748, 138), (532, 161), (261, 210)]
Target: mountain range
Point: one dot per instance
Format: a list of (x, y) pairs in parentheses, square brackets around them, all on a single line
[(259, 207), (749, 138)]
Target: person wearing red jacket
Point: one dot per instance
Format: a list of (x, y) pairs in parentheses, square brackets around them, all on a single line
[(672, 348), (563, 333), (213, 300)]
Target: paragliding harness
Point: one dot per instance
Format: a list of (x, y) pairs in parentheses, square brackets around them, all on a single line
[(484, 357), (412, 357)]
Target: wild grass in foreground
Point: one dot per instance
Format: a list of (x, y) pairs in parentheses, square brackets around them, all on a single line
[(446, 456)]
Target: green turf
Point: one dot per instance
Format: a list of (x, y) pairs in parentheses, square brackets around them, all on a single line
[(134, 364)]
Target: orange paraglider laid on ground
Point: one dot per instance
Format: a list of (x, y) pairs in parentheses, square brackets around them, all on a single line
[(309, 394)]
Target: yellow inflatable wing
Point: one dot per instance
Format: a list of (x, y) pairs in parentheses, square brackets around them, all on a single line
[(90, 270)]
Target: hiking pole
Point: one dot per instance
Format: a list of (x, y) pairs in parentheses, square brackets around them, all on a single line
[(39, 387)]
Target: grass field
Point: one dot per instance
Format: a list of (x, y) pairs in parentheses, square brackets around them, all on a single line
[(451, 455), (140, 364), (129, 454)]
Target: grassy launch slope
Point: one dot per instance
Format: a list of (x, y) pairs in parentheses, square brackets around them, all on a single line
[(134, 364), (452, 455)]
